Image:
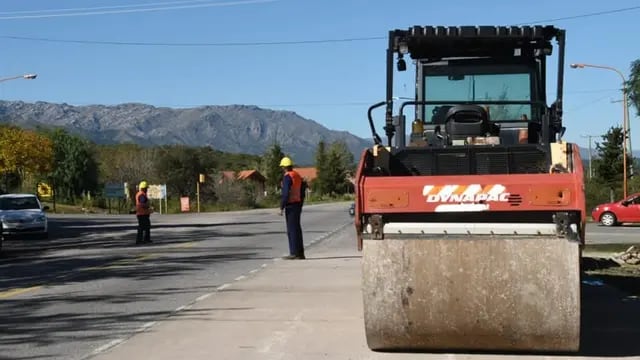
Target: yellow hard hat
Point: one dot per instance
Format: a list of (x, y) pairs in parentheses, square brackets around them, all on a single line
[(286, 162), (143, 185)]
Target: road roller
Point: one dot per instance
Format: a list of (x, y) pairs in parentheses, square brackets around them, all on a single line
[(470, 215)]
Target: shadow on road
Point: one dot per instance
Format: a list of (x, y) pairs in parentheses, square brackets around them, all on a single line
[(76, 233), (29, 322), (610, 308)]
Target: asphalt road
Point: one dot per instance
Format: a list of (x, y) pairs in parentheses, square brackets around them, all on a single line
[(626, 234), (89, 284), (65, 297)]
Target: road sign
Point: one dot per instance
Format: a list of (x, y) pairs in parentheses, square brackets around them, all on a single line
[(114, 191), (184, 203), (156, 192), (44, 190)]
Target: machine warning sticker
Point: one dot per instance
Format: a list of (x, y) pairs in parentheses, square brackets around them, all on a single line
[(472, 193)]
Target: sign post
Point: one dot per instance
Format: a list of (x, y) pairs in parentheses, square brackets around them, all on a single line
[(114, 191), (200, 180)]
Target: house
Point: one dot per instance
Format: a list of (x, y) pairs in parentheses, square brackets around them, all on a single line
[(308, 173), (254, 176)]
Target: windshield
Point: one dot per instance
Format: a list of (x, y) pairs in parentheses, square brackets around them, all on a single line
[(480, 87), (19, 203)]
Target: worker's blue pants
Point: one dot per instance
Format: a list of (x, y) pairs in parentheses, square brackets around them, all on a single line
[(294, 229)]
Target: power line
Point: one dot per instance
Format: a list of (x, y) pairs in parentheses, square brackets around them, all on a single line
[(266, 43), (606, 12), (135, 43), (125, 11), (104, 7)]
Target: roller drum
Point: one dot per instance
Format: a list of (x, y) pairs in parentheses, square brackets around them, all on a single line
[(472, 293)]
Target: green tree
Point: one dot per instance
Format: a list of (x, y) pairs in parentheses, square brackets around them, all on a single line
[(179, 166), (271, 167), (323, 179), (633, 85), (609, 165), (334, 165), (76, 167)]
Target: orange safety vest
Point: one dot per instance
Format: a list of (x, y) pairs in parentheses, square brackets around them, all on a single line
[(296, 187), (140, 209)]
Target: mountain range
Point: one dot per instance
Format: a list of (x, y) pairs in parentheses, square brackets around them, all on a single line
[(231, 128)]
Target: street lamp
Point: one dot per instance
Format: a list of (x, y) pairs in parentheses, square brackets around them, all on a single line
[(625, 117), (25, 76)]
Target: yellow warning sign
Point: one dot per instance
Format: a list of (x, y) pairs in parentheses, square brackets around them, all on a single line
[(44, 190)]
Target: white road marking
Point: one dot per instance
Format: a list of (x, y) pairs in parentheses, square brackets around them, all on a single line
[(202, 297), (146, 326), (223, 286), (106, 346)]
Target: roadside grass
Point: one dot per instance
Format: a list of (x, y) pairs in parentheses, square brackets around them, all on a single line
[(174, 206)]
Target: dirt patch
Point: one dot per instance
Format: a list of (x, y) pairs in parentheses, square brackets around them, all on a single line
[(626, 278)]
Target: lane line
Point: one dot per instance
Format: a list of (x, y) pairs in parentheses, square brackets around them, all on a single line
[(14, 292), (202, 297), (223, 286), (106, 346), (146, 326)]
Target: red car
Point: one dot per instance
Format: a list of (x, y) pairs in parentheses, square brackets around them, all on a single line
[(623, 211)]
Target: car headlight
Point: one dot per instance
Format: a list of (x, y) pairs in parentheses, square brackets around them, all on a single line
[(41, 218)]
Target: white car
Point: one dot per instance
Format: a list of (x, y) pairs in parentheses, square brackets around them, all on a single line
[(23, 214)]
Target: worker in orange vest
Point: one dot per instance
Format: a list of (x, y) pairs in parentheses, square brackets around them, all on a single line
[(291, 205), (143, 213)]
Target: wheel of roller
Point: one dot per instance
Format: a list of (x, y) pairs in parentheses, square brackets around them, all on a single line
[(471, 293)]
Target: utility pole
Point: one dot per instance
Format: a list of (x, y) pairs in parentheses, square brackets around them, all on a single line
[(590, 155)]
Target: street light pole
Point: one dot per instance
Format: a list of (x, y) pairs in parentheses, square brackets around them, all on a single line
[(25, 76), (590, 154), (625, 118)]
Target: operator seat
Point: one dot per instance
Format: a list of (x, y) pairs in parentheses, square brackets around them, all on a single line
[(463, 121)]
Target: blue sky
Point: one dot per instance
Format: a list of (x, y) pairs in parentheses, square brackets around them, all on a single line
[(331, 83)]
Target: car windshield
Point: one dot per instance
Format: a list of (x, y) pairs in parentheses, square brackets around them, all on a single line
[(481, 87), (19, 203)]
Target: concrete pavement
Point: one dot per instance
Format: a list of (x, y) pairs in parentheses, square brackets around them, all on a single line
[(312, 310)]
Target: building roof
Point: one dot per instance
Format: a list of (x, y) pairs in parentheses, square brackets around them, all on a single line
[(308, 173), (242, 175), (247, 174)]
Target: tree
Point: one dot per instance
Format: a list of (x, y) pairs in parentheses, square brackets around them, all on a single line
[(24, 153), (633, 85), (126, 163), (76, 168), (609, 165), (271, 166), (333, 166), (179, 166), (323, 179)]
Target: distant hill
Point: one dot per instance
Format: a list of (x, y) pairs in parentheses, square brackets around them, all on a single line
[(233, 128)]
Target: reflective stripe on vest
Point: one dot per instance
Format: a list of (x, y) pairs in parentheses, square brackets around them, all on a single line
[(139, 209), (296, 187)]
